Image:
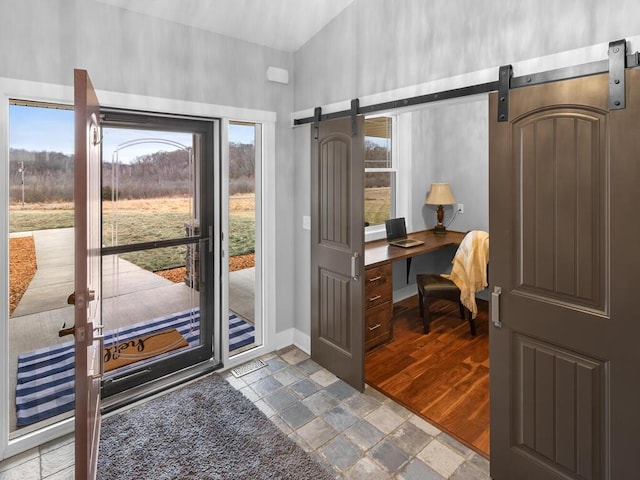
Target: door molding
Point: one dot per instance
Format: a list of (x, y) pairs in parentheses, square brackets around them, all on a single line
[(267, 235)]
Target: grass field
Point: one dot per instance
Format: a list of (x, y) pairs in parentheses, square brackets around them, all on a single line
[(144, 220), (153, 219), (377, 205)]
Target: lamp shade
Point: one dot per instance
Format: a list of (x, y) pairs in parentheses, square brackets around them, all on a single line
[(440, 194)]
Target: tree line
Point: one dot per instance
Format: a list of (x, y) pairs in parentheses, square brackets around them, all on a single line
[(47, 177)]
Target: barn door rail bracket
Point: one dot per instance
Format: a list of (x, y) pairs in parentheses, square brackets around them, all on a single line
[(504, 84), (355, 109), (317, 116), (617, 65)]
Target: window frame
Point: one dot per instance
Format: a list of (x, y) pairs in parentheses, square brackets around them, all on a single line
[(400, 167)]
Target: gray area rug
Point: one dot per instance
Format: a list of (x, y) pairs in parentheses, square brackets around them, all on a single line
[(205, 430)]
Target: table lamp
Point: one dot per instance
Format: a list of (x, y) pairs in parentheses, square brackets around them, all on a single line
[(440, 194)]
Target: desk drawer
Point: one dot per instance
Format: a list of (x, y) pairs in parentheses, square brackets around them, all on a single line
[(378, 285), (378, 325)]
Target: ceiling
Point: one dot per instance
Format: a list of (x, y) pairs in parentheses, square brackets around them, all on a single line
[(280, 24)]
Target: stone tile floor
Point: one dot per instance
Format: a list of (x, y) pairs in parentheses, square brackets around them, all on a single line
[(356, 435)]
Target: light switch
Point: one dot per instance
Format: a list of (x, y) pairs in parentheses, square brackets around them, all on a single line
[(306, 222)]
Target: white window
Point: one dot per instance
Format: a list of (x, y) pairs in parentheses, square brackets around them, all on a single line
[(380, 171)]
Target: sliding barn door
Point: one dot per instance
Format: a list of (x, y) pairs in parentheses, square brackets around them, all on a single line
[(87, 330), (564, 173), (337, 249)]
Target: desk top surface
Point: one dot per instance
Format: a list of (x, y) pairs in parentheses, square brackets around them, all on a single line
[(379, 251)]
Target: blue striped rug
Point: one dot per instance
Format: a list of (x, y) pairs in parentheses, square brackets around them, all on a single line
[(241, 333), (45, 380)]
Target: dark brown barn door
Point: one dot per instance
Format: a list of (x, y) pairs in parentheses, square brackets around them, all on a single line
[(337, 249), (565, 390), (88, 328)]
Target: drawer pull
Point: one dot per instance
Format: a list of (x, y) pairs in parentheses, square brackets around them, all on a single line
[(377, 325), (375, 279), (373, 299)]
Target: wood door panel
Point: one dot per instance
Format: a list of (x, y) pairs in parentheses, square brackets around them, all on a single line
[(559, 406), (561, 187), (337, 249), (564, 359), (335, 305), (335, 218)]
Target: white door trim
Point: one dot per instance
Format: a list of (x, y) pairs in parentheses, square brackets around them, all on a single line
[(53, 93)]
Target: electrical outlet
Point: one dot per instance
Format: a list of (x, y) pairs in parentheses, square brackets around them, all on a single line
[(461, 208)]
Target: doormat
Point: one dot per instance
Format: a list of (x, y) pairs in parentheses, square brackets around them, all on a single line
[(241, 332), (45, 383), (45, 380), (141, 348)]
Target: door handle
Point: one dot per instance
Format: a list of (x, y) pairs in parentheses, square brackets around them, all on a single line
[(355, 266), (495, 306), (71, 299), (63, 332)]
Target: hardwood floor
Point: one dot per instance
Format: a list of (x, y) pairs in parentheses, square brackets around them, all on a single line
[(442, 376)]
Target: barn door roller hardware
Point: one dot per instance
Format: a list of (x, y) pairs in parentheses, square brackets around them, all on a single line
[(317, 114), (355, 106), (617, 65), (504, 84)]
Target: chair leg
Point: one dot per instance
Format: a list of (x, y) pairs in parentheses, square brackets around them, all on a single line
[(472, 324), (426, 317), (421, 302), (462, 309)]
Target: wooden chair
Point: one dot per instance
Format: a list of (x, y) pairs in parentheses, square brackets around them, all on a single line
[(433, 286), (470, 265)]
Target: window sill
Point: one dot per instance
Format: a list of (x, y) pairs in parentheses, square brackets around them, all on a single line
[(375, 233)]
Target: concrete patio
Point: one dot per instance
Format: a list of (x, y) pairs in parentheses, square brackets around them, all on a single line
[(137, 295)]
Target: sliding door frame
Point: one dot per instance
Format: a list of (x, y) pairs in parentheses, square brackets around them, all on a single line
[(265, 255), (130, 384), (62, 94)]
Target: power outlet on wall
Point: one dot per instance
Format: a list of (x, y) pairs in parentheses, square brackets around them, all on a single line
[(461, 208)]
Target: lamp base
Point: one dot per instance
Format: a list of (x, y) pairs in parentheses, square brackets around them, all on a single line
[(440, 229)]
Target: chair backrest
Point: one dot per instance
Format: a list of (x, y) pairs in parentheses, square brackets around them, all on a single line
[(473, 256)]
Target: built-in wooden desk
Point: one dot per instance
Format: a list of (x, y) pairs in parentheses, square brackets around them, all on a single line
[(378, 259)]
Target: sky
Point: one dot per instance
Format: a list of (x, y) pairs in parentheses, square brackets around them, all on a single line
[(40, 129)]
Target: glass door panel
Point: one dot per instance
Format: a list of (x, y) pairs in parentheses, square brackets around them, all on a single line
[(157, 264), (41, 265), (245, 317)]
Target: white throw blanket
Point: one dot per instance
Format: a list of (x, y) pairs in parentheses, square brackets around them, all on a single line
[(469, 271)]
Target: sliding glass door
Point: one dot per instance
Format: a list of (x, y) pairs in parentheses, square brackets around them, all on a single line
[(158, 227)]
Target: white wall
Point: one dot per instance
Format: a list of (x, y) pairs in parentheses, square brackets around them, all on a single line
[(450, 143), (376, 47), (44, 40)]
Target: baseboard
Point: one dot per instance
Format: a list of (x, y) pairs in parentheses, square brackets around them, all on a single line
[(404, 293), (284, 339), (293, 336), (302, 341)]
